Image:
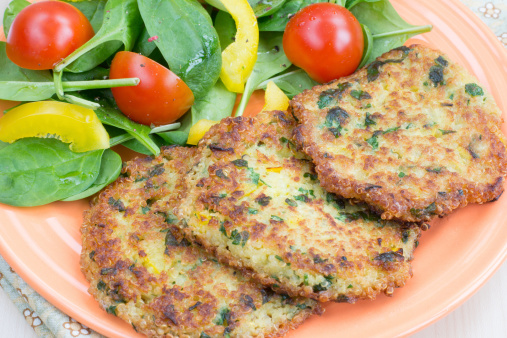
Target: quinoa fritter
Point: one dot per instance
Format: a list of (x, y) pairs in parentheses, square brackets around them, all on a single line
[(256, 203), (413, 134), (143, 270)]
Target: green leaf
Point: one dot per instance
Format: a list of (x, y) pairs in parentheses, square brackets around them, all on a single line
[(139, 147), (388, 29), (10, 13), (215, 105), (36, 171), (260, 7), (368, 45), (143, 46), (271, 60), (293, 82), (108, 113), (11, 72), (93, 10), (351, 3), (226, 29), (110, 168), (121, 23), (186, 39), (278, 20)]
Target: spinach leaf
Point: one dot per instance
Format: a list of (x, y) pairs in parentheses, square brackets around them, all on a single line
[(138, 147), (121, 24), (108, 113), (10, 13), (97, 73), (277, 21), (35, 171), (368, 45), (226, 29), (271, 60), (260, 7), (186, 39), (215, 105), (292, 82), (110, 168), (143, 46), (3, 145), (11, 72), (93, 10), (351, 3), (388, 29)]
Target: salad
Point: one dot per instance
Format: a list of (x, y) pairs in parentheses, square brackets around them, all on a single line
[(147, 73)]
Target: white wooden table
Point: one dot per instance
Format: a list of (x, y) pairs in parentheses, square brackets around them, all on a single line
[(483, 315)]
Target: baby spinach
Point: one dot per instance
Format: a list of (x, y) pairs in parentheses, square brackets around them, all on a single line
[(10, 13), (277, 21), (109, 114), (122, 22), (388, 29), (93, 10), (260, 7), (215, 105), (292, 82), (143, 46), (110, 168), (35, 171), (226, 29), (368, 45), (186, 39), (271, 60)]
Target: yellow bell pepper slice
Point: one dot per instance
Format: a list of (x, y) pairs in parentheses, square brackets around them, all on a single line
[(275, 98), (198, 130), (67, 122), (239, 58)]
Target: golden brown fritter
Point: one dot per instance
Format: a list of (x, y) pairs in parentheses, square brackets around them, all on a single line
[(143, 270), (255, 202), (413, 134)]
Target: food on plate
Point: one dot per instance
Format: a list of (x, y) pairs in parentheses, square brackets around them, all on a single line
[(143, 270), (255, 202), (198, 130), (274, 98), (44, 33), (161, 97), (324, 39), (238, 58), (413, 134), (49, 119)]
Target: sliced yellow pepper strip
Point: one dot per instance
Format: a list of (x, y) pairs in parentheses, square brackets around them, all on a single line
[(198, 130), (238, 59), (67, 122), (275, 98)]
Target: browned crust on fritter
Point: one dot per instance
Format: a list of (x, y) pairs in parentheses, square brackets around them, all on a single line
[(216, 174), (347, 166), (115, 230)]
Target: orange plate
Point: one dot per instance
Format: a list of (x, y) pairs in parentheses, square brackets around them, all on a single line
[(455, 257)]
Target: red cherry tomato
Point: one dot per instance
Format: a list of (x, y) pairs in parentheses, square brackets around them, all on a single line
[(161, 97), (324, 39), (44, 33)]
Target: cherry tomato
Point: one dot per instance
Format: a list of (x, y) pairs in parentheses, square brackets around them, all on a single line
[(44, 33), (161, 97), (324, 39)]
